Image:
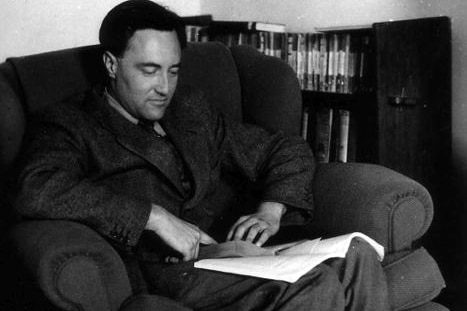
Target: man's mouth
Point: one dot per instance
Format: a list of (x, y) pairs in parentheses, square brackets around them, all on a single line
[(157, 102)]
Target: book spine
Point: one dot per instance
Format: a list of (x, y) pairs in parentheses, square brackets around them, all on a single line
[(292, 50), (301, 59), (203, 34), (309, 62), (343, 135), (278, 44), (262, 42), (194, 33), (364, 71), (242, 38), (253, 40), (324, 118), (330, 67), (354, 64), (323, 62), (268, 40), (268, 27), (346, 64), (341, 65), (305, 122), (333, 65), (315, 52)]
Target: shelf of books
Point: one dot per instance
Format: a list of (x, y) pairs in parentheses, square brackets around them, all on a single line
[(332, 61), (333, 68), (364, 94)]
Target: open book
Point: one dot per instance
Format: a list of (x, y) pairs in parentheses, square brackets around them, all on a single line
[(286, 262)]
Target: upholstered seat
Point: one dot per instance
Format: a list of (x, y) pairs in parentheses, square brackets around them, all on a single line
[(75, 268)]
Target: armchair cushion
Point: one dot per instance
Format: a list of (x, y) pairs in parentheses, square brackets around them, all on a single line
[(390, 207), (145, 302), (431, 306), (74, 266), (271, 95), (413, 280)]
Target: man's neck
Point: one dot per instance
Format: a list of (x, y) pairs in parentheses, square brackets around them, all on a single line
[(114, 103)]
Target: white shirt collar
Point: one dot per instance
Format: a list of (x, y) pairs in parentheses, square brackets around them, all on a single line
[(116, 105)]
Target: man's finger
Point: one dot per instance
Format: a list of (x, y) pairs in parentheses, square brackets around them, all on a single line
[(196, 251), (171, 259), (242, 228), (254, 231), (187, 257), (239, 221), (263, 237), (206, 239)]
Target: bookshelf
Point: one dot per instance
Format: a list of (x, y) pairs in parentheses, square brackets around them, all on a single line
[(392, 78)]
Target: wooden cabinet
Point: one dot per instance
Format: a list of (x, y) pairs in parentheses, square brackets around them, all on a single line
[(403, 120)]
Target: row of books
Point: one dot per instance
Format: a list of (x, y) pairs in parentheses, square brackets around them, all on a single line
[(328, 129), (331, 62), (336, 62), (267, 42)]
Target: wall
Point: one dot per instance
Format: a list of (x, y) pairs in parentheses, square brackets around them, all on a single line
[(37, 26)]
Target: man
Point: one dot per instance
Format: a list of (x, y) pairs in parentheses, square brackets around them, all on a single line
[(154, 173)]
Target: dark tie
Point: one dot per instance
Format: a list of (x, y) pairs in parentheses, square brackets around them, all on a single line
[(148, 126)]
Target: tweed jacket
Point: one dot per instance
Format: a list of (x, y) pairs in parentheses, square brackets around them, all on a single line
[(85, 162)]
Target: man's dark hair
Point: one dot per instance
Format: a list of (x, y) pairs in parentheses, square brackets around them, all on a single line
[(122, 21)]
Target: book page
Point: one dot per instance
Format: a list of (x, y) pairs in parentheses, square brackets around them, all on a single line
[(276, 249), (303, 248), (283, 268), (293, 259), (233, 249), (340, 244)]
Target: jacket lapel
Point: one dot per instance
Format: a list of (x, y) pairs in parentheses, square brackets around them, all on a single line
[(186, 133), (134, 138)]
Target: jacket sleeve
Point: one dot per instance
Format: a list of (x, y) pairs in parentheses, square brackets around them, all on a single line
[(282, 166), (53, 184)]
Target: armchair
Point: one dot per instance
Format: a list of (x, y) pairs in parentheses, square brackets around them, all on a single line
[(74, 268)]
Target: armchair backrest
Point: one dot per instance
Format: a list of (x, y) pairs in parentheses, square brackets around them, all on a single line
[(243, 83)]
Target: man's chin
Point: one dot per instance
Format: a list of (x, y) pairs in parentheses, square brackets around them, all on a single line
[(156, 116)]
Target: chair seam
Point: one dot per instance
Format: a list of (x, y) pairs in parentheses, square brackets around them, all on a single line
[(409, 304), (395, 204), (63, 261)]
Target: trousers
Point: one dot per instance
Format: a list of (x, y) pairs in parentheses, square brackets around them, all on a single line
[(355, 283)]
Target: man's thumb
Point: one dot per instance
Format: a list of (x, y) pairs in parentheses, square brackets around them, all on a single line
[(206, 239)]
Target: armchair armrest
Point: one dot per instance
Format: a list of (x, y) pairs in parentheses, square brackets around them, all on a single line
[(74, 266), (387, 206)]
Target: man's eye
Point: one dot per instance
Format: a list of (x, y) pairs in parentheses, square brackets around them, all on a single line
[(173, 72), (149, 72)]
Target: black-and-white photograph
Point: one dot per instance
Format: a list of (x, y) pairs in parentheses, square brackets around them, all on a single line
[(217, 155)]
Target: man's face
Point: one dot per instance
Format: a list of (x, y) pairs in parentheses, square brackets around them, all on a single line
[(144, 78)]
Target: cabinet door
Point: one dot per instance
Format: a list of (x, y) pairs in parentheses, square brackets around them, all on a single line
[(413, 60)]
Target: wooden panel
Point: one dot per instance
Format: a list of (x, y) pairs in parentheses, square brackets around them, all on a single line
[(413, 61)]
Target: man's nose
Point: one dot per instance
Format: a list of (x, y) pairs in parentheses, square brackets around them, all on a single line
[(161, 84)]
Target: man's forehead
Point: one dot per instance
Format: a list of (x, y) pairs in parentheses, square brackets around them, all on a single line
[(153, 43)]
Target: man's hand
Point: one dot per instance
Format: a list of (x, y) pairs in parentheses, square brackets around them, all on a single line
[(180, 235), (260, 226)]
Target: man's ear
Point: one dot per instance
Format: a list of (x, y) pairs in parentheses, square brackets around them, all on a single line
[(110, 62)]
